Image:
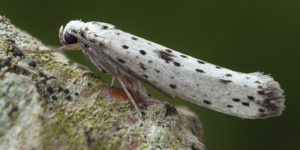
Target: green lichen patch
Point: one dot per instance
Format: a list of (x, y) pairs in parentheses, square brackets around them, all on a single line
[(88, 126), (4, 45)]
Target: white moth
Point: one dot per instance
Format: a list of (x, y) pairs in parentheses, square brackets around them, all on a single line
[(128, 57)]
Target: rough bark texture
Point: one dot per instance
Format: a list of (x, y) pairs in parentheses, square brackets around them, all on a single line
[(50, 102)]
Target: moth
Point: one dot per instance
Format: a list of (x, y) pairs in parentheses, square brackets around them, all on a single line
[(130, 58)]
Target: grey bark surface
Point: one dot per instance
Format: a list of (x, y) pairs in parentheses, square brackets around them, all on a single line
[(50, 102)]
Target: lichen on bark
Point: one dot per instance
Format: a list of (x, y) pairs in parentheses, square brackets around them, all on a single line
[(50, 102)]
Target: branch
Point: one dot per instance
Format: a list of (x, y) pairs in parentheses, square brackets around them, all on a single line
[(50, 102)]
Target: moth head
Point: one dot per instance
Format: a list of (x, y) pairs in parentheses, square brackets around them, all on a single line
[(67, 35)]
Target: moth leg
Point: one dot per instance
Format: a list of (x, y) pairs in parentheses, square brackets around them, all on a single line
[(112, 81), (128, 94), (141, 87)]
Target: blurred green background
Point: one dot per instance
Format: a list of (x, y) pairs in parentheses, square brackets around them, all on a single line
[(246, 36)]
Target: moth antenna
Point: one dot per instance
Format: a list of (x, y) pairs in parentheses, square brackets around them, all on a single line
[(64, 48)]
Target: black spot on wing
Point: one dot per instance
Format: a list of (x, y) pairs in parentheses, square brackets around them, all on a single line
[(229, 106), (236, 99), (183, 56), (228, 75), (176, 64), (169, 51), (207, 102), (166, 56), (250, 97), (245, 104), (272, 103), (262, 92), (104, 27), (258, 82), (142, 66), (260, 87), (173, 86), (199, 70), (125, 46), (143, 52), (134, 38), (200, 62), (225, 81)]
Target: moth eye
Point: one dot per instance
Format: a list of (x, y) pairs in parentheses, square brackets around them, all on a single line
[(69, 38)]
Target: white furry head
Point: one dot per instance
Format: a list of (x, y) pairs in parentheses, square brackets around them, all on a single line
[(70, 34), (66, 35)]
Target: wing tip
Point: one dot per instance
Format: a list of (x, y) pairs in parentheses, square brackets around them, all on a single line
[(274, 98)]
